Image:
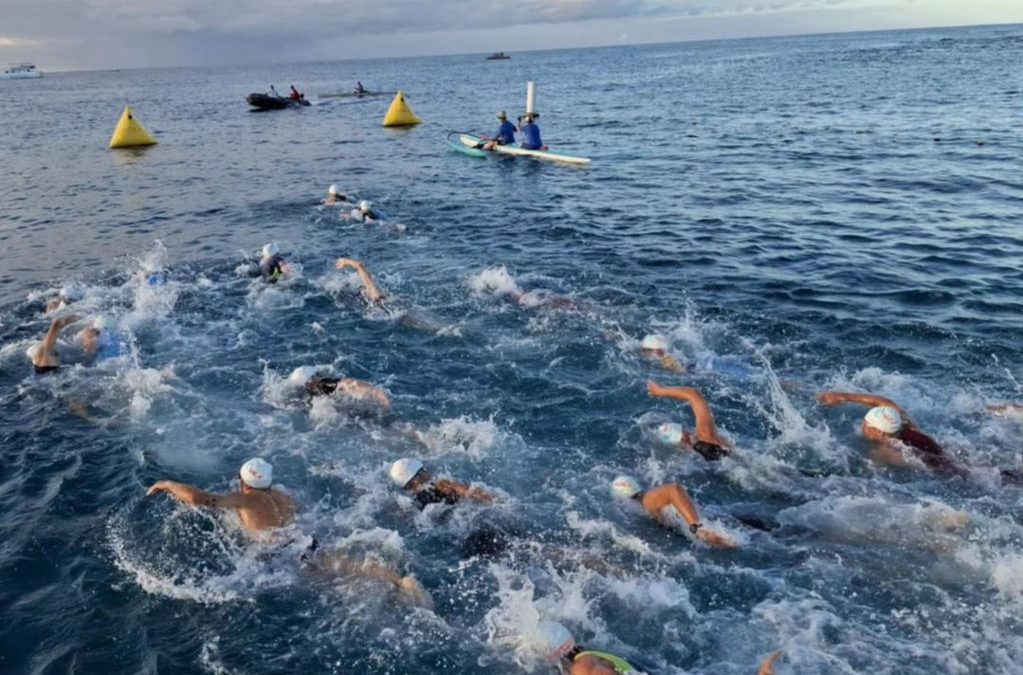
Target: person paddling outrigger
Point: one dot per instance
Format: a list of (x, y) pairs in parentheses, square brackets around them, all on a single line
[(505, 133)]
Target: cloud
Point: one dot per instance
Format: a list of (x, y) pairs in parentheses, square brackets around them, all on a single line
[(17, 43)]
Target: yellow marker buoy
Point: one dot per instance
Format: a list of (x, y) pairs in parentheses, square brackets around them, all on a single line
[(400, 113), (129, 133)]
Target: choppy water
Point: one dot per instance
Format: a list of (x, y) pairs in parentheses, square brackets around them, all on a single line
[(825, 212)]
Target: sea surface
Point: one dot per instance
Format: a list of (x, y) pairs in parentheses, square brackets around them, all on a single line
[(794, 215)]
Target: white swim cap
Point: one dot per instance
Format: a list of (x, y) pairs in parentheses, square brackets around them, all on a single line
[(332, 190), (555, 640), (655, 342), (257, 473), (301, 375), (625, 487), (404, 470), (670, 433), (365, 205), (884, 418), (271, 249), (100, 323), (32, 351)]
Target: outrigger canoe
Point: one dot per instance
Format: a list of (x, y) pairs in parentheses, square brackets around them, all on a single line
[(474, 142), (466, 147)]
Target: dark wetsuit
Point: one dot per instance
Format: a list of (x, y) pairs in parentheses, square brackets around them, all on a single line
[(928, 451), (710, 451), (272, 268), (42, 370), (322, 386), (431, 495)]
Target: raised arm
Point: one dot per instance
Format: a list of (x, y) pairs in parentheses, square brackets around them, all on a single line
[(830, 398), (50, 339), (673, 494), (767, 667), (193, 496), (373, 292), (706, 430), (464, 491)]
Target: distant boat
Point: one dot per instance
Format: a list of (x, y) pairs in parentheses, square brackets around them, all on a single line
[(498, 56), (271, 102), (22, 71)]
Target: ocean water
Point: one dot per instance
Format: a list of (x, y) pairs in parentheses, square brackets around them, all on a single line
[(793, 214)]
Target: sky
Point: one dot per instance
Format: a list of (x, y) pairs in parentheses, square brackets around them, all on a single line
[(98, 34)]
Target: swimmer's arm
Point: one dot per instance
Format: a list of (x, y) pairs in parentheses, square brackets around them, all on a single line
[(1006, 408), (464, 491), (193, 496), (360, 389), (50, 339), (705, 427), (675, 495), (373, 292), (767, 667), (830, 398)]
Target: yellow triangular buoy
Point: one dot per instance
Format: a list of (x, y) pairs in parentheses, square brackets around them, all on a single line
[(400, 113), (129, 133)]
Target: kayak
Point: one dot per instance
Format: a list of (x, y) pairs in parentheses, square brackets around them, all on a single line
[(355, 94), (470, 140), (465, 147), (270, 102)]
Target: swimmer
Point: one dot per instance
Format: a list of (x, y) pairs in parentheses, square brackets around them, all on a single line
[(706, 442), (891, 429), (371, 291), (672, 495), (334, 196), (560, 649), (1012, 410), (272, 265), (411, 475), (363, 212), (655, 348), (261, 508), (44, 355), (317, 383), (65, 296)]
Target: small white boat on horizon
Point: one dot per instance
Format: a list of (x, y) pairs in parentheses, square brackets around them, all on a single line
[(21, 71)]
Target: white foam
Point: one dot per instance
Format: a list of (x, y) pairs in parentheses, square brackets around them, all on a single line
[(495, 281)]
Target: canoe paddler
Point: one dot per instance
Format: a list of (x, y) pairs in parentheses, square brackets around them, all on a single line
[(530, 133)]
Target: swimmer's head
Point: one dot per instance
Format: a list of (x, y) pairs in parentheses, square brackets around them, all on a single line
[(271, 249), (32, 351), (882, 421), (332, 190), (365, 205), (301, 375), (556, 641), (655, 344), (99, 324), (257, 474), (625, 487), (670, 433), (405, 471)]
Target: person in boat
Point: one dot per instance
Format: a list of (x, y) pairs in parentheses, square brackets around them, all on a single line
[(412, 476), (272, 265), (65, 296), (706, 441), (334, 196), (261, 508), (273, 92), (659, 502), (530, 133), (359, 89), (505, 133), (295, 94), (318, 383)]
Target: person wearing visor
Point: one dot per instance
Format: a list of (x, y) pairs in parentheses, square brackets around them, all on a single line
[(656, 500), (318, 383), (655, 348), (259, 507), (706, 442), (411, 475), (272, 265), (505, 133)]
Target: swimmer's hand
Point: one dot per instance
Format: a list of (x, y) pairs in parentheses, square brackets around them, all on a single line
[(342, 263), (62, 321), (655, 389), (411, 589), (714, 539), (158, 487), (767, 667)]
